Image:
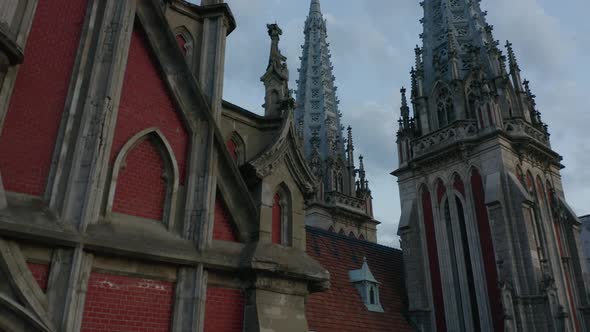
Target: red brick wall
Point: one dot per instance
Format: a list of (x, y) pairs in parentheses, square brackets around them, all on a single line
[(276, 219), (224, 311), (40, 273), (32, 122), (141, 190), (117, 303), (223, 228), (146, 103)]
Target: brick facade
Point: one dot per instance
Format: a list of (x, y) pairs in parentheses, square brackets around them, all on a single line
[(38, 100), (146, 103), (119, 303), (223, 229), (225, 310)]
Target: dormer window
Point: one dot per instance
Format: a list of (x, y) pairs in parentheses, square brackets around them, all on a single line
[(367, 286)]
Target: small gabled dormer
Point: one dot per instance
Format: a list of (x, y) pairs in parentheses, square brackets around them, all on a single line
[(367, 286)]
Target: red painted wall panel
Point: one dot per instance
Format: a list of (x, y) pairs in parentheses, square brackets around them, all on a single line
[(118, 303), (276, 219), (436, 281), (146, 103), (223, 228), (224, 310), (32, 123), (487, 249), (141, 189), (40, 273)]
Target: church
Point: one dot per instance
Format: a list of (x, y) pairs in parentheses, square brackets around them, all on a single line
[(134, 197)]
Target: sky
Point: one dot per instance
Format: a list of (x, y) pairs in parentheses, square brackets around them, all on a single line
[(372, 44)]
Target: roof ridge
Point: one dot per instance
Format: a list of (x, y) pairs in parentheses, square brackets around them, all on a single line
[(344, 237)]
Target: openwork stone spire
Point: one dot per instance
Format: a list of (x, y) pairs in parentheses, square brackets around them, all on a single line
[(317, 104)]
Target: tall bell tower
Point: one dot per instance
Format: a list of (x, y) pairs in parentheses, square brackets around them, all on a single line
[(489, 242)]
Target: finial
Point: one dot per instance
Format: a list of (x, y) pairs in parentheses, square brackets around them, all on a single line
[(404, 99), (512, 57)]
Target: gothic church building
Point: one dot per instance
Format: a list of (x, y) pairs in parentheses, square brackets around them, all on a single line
[(133, 197)]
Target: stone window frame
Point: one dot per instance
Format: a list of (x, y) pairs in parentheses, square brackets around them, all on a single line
[(190, 43), (286, 205), (450, 195), (170, 172), (238, 141)]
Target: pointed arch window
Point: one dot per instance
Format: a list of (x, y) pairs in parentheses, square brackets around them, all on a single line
[(236, 147), (445, 108), (185, 42), (282, 225)]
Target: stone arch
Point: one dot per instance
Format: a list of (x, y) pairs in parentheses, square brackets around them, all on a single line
[(186, 42), (171, 175), (237, 148)]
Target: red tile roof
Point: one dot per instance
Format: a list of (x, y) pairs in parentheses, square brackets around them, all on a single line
[(341, 308)]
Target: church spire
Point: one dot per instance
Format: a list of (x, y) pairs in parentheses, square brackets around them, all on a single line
[(315, 8), (317, 104)]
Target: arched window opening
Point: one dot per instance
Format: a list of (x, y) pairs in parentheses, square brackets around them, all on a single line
[(530, 183), (277, 213), (472, 107), (185, 42), (331, 229), (181, 43), (236, 147), (435, 280), (340, 182), (487, 248), (490, 115), (342, 232), (445, 108), (446, 213), (468, 264), (233, 149), (520, 175), (372, 296), (351, 235), (362, 237), (282, 224)]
